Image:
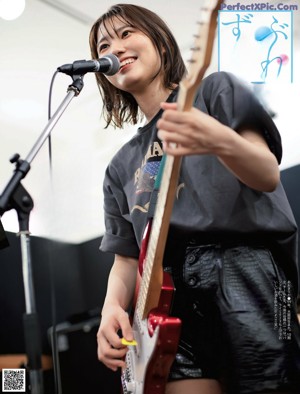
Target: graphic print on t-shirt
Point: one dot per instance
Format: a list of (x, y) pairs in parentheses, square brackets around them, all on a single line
[(147, 177), (146, 174)]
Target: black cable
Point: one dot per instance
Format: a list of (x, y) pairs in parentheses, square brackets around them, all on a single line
[(54, 347), (49, 117)]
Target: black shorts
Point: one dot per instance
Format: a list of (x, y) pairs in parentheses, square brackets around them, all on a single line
[(239, 323)]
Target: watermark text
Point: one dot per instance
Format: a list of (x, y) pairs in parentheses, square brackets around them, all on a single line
[(259, 7)]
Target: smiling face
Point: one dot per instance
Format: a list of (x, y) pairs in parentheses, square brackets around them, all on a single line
[(150, 57), (139, 59)]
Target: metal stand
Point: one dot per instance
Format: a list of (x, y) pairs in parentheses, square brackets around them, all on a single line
[(3, 239), (16, 197)]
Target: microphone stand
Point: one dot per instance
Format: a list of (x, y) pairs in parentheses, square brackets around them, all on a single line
[(3, 239), (16, 197)]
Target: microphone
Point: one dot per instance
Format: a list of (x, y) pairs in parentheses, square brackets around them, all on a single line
[(108, 65)]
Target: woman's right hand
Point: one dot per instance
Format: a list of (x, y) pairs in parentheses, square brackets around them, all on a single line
[(110, 349)]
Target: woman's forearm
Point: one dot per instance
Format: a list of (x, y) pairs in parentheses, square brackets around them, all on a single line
[(121, 282)]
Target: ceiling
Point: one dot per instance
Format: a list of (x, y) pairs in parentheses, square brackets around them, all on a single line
[(68, 199)]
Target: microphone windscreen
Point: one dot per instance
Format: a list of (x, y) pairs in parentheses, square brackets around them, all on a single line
[(115, 64)]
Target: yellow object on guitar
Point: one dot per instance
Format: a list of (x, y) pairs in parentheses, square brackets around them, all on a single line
[(128, 343)]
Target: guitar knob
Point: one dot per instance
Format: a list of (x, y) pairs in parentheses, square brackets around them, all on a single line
[(130, 387)]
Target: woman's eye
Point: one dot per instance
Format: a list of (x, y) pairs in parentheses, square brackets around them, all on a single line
[(103, 47), (125, 33)]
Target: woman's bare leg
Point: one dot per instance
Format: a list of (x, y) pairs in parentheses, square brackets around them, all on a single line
[(194, 386)]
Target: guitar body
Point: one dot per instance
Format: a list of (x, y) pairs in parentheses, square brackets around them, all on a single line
[(148, 363), (157, 336)]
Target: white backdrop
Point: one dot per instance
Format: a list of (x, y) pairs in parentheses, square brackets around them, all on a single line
[(68, 203)]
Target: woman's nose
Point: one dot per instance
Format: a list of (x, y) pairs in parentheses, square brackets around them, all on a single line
[(117, 48)]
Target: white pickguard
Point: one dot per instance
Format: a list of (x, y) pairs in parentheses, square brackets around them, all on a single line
[(138, 357)]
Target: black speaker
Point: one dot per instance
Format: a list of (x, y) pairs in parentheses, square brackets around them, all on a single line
[(80, 370)]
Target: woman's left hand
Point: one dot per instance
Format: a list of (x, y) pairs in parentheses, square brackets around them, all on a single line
[(246, 153), (190, 132)]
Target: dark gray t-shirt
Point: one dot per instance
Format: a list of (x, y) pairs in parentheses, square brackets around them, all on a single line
[(211, 199)]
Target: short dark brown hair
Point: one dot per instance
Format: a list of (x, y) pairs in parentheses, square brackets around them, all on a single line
[(120, 106)]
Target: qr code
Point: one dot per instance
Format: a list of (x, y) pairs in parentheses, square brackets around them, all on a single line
[(13, 380)]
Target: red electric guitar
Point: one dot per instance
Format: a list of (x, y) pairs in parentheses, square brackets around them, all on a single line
[(156, 333)]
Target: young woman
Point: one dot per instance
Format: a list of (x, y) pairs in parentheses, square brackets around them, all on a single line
[(232, 242)]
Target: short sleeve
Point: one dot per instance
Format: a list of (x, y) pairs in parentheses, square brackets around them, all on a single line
[(232, 102), (119, 237)]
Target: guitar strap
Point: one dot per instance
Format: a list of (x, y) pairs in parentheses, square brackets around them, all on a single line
[(155, 191)]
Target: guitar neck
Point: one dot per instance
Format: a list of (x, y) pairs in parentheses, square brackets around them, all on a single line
[(152, 278), (153, 273)]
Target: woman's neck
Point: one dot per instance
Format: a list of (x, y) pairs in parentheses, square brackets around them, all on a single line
[(149, 100)]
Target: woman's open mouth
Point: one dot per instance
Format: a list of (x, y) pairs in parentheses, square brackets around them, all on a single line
[(126, 62)]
